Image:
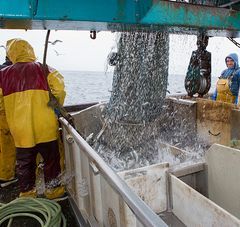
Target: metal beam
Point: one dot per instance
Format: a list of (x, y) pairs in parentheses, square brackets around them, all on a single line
[(119, 15), (189, 17)]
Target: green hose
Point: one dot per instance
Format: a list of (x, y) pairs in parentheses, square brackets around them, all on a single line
[(46, 212)]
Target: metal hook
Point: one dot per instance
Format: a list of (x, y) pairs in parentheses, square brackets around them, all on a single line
[(93, 34)]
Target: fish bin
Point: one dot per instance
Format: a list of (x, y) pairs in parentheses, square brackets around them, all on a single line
[(197, 186)]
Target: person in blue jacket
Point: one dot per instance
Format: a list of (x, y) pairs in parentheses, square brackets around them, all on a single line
[(229, 82)]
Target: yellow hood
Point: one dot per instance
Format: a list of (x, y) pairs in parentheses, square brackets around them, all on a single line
[(19, 50)]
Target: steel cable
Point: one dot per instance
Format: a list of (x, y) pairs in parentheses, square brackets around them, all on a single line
[(234, 42)]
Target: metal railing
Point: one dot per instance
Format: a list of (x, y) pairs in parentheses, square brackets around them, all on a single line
[(141, 211)]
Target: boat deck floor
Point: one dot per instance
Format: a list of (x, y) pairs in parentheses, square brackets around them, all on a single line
[(170, 219), (11, 192)]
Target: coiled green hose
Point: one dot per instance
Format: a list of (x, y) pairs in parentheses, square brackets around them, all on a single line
[(49, 211)]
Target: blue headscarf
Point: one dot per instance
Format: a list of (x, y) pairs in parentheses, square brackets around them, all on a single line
[(229, 71)]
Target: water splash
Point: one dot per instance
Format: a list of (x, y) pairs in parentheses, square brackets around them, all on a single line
[(140, 77), (141, 127)]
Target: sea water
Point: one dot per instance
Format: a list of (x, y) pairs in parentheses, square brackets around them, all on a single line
[(85, 86)]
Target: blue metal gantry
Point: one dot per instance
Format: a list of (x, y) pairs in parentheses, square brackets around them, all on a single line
[(118, 15)]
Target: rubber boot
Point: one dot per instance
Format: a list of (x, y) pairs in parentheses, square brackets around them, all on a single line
[(55, 193), (32, 193)]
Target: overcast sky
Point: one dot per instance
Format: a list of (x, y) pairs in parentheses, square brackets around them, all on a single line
[(78, 52)]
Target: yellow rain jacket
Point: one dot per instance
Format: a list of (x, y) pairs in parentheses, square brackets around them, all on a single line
[(24, 96), (7, 150)]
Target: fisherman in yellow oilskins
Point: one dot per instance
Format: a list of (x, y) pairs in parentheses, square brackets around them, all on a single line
[(33, 124), (7, 148), (229, 82)]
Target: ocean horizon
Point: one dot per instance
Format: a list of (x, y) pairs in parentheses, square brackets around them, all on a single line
[(93, 86)]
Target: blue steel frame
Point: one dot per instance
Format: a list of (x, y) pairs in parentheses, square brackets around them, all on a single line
[(118, 15)]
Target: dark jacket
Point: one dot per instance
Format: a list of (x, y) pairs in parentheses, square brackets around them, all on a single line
[(6, 63)]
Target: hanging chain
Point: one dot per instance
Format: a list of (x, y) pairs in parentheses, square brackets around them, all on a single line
[(234, 42)]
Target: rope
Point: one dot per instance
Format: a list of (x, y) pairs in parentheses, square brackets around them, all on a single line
[(45, 49), (53, 102), (46, 212)]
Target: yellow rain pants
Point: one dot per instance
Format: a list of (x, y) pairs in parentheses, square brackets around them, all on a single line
[(223, 92), (7, 151)]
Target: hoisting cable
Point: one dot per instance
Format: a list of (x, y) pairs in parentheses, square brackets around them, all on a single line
[(53, 102), (234, 42), (46, 212)]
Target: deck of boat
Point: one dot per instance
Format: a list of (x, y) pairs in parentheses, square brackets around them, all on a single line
[(11, 192)]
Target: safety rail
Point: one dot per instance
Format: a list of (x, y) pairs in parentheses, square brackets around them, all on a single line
[(86, 164)]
